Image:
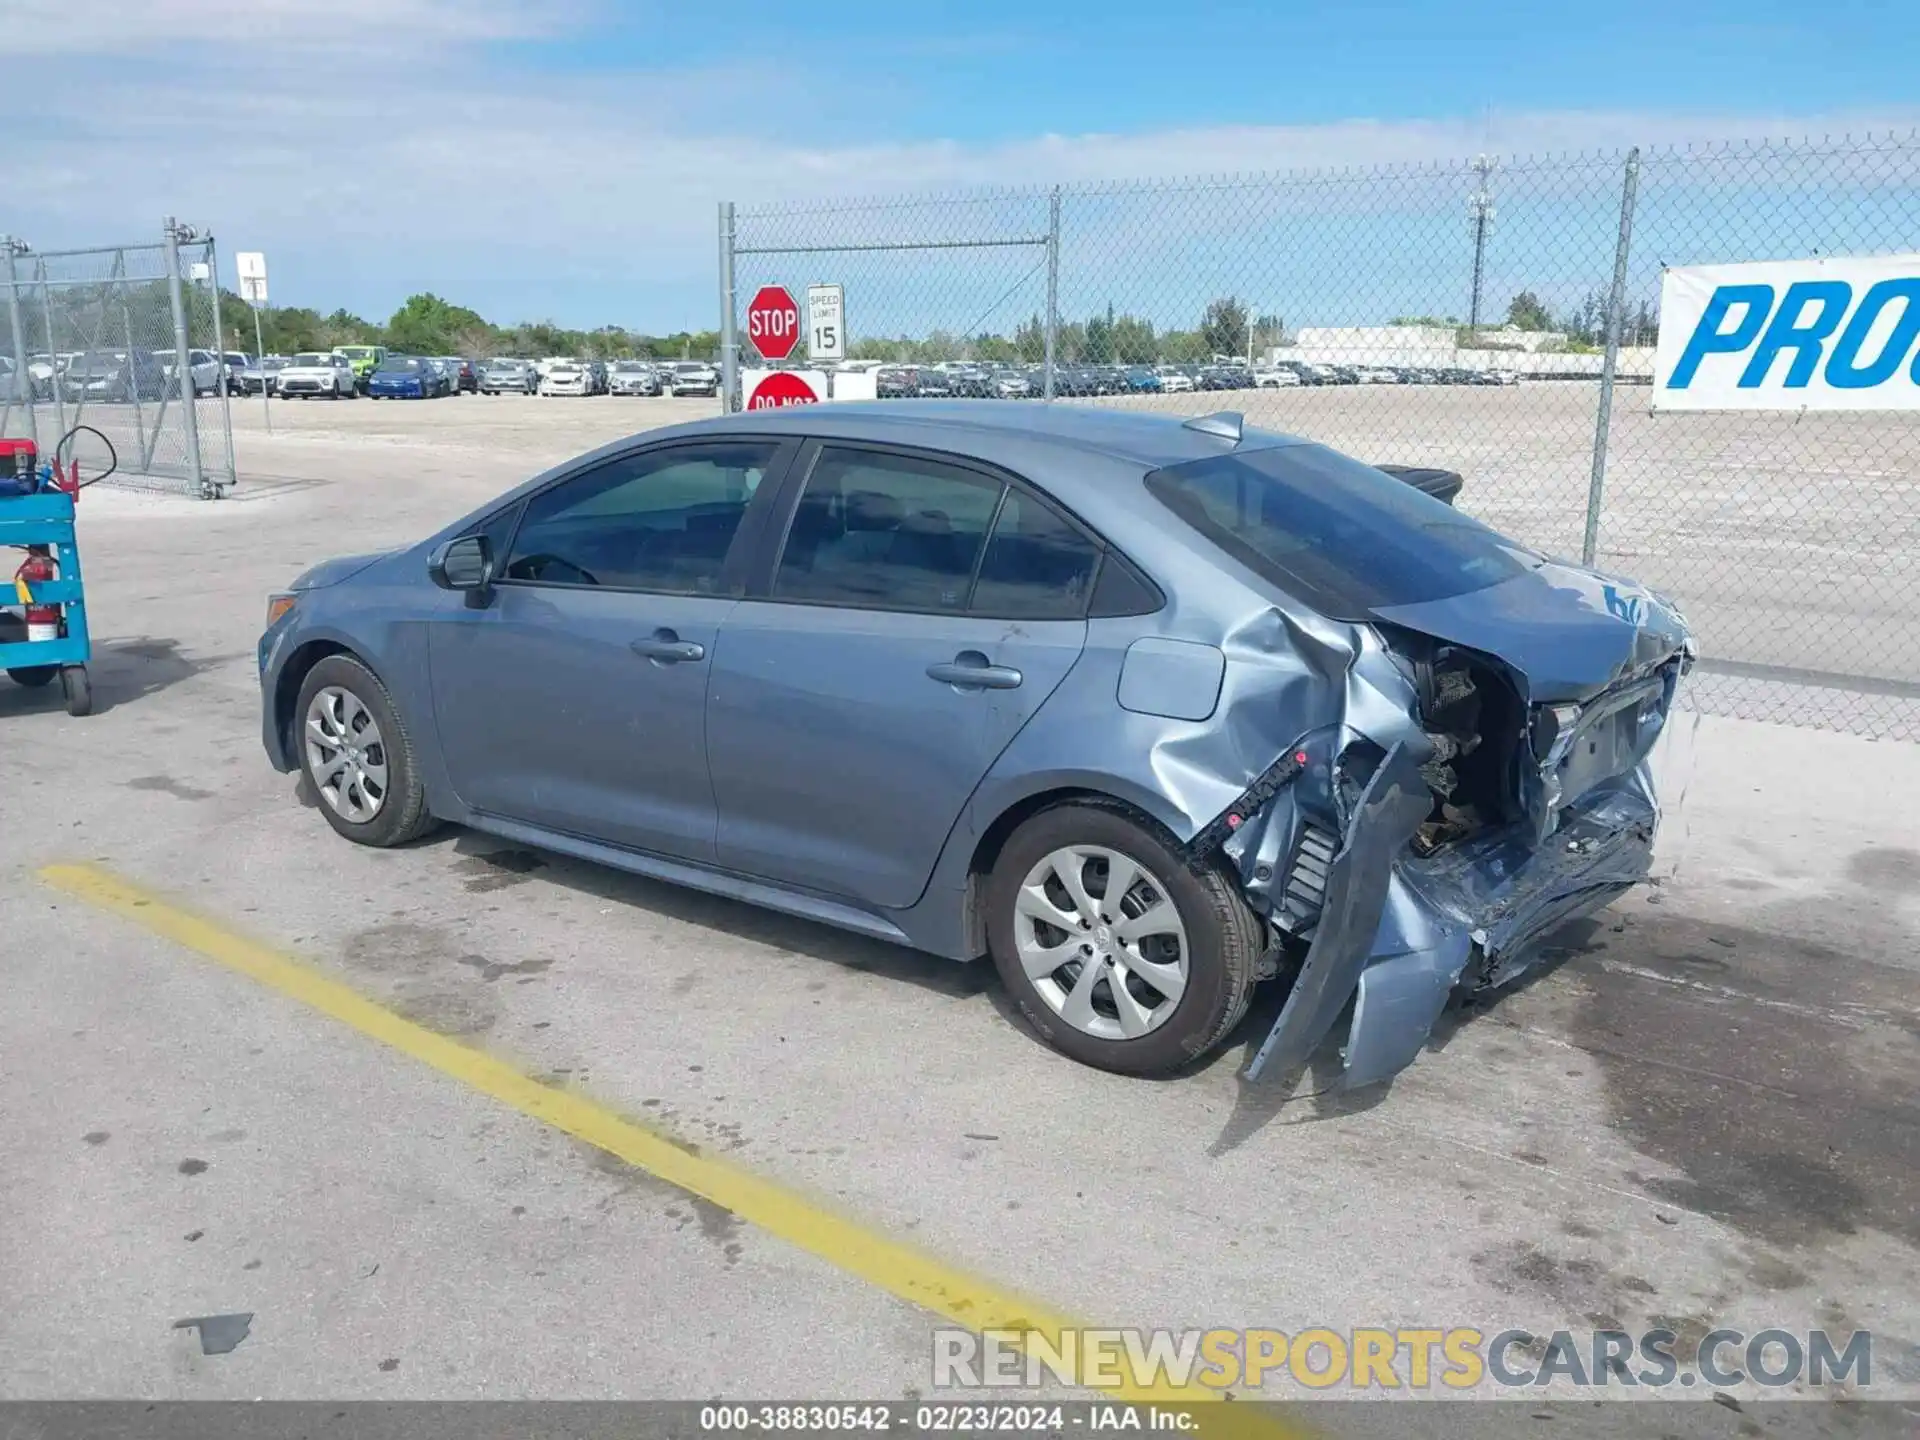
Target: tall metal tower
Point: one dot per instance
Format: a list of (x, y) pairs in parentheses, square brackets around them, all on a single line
[(1480, 214)]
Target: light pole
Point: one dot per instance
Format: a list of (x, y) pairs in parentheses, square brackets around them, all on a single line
[(1480, 214)]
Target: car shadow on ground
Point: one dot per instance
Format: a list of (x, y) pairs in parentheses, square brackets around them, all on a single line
[(122, 672), (487, 863)]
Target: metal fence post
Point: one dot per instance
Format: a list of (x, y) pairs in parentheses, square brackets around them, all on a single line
[(222, 379), (1616, 303), (22, 376), (183, 370), (729, 335), (1053, 282), (53, 350)]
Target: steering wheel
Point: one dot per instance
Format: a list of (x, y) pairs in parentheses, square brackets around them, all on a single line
[(535, 567)]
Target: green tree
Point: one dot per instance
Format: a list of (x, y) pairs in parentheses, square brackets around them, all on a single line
[(1030, 339), (1097, 342), (1134, 342), (1183, 347), (1527, 312), (427, 325), (1223, 328)]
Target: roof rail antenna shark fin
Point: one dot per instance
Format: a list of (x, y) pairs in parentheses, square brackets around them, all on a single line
[(1227, 424)]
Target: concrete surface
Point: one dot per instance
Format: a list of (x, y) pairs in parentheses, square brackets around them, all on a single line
[(1702, 1113)]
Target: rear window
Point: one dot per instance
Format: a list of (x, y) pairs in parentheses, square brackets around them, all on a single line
[(1334, 532)]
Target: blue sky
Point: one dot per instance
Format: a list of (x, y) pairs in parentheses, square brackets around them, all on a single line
[(563, 158)]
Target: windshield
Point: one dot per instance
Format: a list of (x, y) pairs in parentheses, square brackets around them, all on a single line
[(399, 365), (356, 352), (690, 367), (1334, 532), (323, 362), (628, 366)]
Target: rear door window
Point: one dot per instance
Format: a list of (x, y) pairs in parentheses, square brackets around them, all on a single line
[(1038, 565), (888, 531), (1335, 532)]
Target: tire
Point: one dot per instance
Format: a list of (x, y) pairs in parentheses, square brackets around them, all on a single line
[(33, 677), (400, 814), (78, 689), (1220, 944)]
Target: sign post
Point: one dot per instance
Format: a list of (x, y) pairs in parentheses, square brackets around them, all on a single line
[(773, 322), (252, 265), (826, 323)]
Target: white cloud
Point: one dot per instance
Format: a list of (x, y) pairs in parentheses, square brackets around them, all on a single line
[(394, 148)]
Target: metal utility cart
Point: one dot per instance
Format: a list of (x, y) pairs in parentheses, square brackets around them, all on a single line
[(42, 525)]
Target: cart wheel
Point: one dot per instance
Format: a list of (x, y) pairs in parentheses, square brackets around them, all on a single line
[(33, 676), (73, 680)]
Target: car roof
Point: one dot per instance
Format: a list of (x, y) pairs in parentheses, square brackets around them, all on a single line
[(1004, 432)]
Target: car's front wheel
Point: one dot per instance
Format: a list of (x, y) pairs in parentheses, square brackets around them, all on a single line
[(357, 757), (1118, 951)]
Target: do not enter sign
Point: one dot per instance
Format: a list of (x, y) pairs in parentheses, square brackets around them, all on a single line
[(784, 387), (773, 322)]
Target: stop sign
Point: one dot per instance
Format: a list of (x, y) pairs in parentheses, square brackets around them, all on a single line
[(782, 387), (773, 322)]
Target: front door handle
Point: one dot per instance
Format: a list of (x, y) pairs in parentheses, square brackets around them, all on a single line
[(668, 648), (970, 670)]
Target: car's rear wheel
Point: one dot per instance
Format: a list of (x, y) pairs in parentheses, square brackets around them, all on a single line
[(1118, 952), (357, 756)]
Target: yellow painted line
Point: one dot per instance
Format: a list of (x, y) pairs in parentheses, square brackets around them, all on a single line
[(897, 1269)]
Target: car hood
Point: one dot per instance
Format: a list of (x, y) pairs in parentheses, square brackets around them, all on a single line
[(332, 572), (1567, 632)]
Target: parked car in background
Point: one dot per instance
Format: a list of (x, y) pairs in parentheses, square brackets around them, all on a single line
[(694, 377), (500, 377), (1064, 755), (204, 365), (259, 377), (363, 360), (1142, 380), (16, 386), (312, 374), (403, 377), (119, 376), (896, 382), (1174, 380), (462, 374), (632, 377), (567, 377), (1011, 385), (1272, 377)]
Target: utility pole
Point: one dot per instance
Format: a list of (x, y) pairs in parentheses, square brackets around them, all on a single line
[(1480, 215)]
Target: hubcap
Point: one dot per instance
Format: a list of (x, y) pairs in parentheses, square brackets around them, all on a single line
[(1100, 939), (346, 757)]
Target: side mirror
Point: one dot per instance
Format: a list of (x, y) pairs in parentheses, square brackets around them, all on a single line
[(463, 564)]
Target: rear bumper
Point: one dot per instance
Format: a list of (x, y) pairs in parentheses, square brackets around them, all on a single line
[(1401, 936)]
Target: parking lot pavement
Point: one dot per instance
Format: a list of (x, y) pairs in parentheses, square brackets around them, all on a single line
[(1703, 1113)]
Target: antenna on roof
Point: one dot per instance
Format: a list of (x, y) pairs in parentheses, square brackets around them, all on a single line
[(1227, 424)]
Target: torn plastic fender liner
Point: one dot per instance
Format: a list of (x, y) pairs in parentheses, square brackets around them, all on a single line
[(1394, 803)]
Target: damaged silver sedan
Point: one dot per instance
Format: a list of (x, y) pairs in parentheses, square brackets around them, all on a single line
[(1150, 711)]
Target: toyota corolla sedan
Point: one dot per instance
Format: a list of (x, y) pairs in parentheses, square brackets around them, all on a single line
[(1149, 711)]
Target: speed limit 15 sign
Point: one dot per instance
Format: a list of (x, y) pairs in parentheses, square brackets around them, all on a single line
[(826, 322)]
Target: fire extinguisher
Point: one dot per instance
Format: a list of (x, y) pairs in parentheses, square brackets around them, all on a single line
[(43, 621)]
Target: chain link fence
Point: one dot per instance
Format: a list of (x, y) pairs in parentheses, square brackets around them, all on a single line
[(122, 342), (1493, 317)]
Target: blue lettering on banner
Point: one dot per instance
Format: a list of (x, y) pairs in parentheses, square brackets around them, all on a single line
[(1809, 315)]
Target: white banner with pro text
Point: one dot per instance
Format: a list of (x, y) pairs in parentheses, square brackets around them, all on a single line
[(1828, 333)]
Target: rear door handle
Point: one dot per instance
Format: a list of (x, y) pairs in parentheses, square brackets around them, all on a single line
[(970, 670), (668, 648)]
